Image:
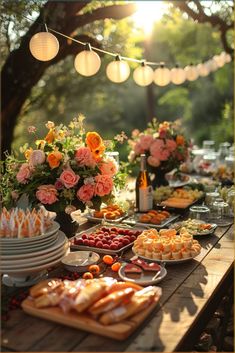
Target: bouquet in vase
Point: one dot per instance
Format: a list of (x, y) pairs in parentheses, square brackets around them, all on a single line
[(163, 144), (65, 170)]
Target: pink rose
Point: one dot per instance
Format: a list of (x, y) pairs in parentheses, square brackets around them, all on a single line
[(68, 178), (86, 192), (171, 145), (156, 147), (37, 157), (154, 162), (138, 149), (159, 150), (84, 157), (104, 185), (108, 167), (46, 194), (145, 141), (24, 173), (164, 155)]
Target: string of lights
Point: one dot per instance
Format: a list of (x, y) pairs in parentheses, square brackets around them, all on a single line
[(44, 46)]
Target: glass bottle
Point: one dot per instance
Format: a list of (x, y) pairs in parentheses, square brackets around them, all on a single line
[(144, 191)]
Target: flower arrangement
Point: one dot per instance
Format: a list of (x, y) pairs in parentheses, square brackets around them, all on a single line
[(165, 147), (65, 171)]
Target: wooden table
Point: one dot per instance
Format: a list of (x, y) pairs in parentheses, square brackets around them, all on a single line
[(191, 293)]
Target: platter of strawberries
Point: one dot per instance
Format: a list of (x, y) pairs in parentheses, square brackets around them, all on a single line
[(154, 218), (105, 239)]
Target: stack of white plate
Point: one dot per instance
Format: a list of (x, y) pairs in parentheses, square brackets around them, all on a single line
[(24, 260)]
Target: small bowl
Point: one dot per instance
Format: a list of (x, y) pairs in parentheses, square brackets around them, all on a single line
[(79, 261)]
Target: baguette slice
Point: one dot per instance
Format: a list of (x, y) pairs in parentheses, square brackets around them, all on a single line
[(89, 295), (45, 287), (139, 301), (111, 301)]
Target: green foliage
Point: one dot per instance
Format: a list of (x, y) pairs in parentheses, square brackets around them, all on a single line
[(111, 108)]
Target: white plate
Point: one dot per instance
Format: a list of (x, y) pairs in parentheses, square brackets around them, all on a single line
[(134, 221), (28, 270), (24, 281), (169, 262), (22, 247), (146, 277), (209, 231), (179, 183), (61, 239), (79, 261), (34, 261), (51, 230)]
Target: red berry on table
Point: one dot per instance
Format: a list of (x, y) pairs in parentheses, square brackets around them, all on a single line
[(78, 241), (91, 243), (99, 244), (84, 236), (86, 242), (133, 237), (106, 246)]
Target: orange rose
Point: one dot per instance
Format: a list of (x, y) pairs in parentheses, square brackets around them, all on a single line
[(28, 152), (54, 159), (97, 153), (50, 136), (93, 140), (180, 140)]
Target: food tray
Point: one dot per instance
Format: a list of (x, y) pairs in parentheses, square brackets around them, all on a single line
[(178, 225), (133, 221), (100, 250), (180, 208), (118, 331), (168, 262), (93, 219)]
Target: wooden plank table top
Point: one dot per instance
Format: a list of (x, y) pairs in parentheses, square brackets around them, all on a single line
[(191, 291)]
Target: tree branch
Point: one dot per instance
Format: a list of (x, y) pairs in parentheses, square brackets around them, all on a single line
[(202, 17)]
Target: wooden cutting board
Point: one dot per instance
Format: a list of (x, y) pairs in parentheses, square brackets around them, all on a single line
[(118, 331)]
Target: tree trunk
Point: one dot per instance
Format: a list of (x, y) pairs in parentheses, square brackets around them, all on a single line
[(22, 71)]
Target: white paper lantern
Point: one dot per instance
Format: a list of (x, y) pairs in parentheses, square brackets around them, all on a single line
[(162, 76), (87, 63), (143, 75), (228, 58), (203, 70), (177, 75), (118, 70), (44, 46), (191, 72), (219, 60), (211, 64)]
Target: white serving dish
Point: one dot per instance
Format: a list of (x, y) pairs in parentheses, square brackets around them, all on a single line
[(79, 261), (145, 278)]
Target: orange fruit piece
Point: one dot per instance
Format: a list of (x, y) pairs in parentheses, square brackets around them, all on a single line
[(108, 259), (94, 269), (87, 275), (115, 267)]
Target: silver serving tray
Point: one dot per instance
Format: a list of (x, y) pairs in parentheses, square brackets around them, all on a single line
[(100, 250), (133, 221)]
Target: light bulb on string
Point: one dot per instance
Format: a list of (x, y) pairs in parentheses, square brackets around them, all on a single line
[(203, 70), (87, 62), (212, 65), (191, 72), (228, 58), (177, 75), (219, 60), (162, 76), (44, 46), (143, 75), (118, 70)]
